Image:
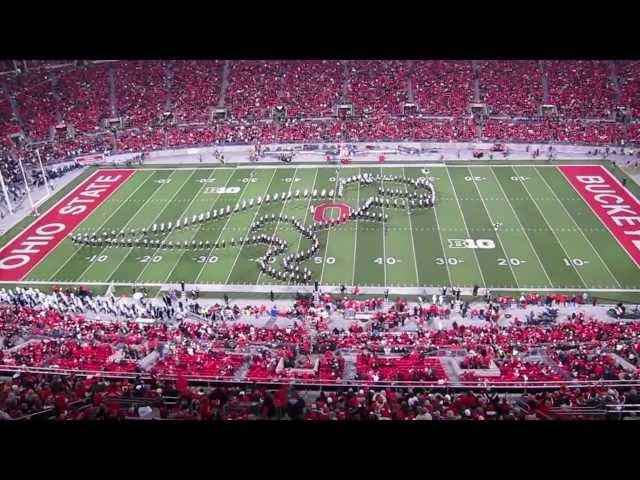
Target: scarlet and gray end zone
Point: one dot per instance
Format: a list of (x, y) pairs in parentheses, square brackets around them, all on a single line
[(24, 252), (614, 205)]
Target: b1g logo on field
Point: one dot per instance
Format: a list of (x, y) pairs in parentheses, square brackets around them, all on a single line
[(470, 243), (325, 212)]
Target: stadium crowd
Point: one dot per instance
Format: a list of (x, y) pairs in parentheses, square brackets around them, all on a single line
[(400, 343), (141, 92)]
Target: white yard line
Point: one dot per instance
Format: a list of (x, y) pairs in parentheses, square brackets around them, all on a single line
[(579, 229), (152, 222), (524, 184), (326, 248), (413, 246), (508, 257), (444, 252), (204, 264), (247, 229), (204, 185), (504, 194), (127, 224), (306, 212), (384, 235), (475, 254), (101, 226), (355, 243), (284, 204)]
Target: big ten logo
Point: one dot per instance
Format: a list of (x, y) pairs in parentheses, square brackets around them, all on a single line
[(325, 212), (220, 190), (470, 243)]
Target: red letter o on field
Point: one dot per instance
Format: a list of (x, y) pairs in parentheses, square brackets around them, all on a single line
[(319, 214)]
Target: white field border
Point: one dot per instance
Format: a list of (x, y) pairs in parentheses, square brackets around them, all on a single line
[(248, 227), (131, 220), (100, 227), (204, 185), (504, 250), (578, 227), (585, 285), (506, 198), (475, 254), (598, 216), (251, 288)]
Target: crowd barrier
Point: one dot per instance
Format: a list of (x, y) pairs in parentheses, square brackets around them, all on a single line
[(314, 384)]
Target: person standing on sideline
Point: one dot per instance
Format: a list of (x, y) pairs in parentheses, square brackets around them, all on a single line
[(271, 296), (182, 286), (386, 294)]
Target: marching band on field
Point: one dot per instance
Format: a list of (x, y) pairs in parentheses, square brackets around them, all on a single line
[(421, 197)]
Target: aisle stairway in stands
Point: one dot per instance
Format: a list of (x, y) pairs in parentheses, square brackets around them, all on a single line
[(56, 97), (613, 76), (15, 110), (545, 83), (345, 81), (410, 70), (225, 82), (476, 82), (112, 91), (168, 84)]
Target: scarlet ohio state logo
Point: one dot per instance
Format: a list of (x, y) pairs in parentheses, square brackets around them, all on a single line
[(325, 211)]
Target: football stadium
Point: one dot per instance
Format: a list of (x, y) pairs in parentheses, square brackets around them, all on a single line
[(319, 239)]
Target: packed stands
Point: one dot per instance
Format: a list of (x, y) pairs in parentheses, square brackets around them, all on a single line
[(35, 101), (140, 91), (195, 88), (580, 88), (511, 87), (256, 87), (518, 131), (312, 87), (84, 97), (629, 80), (47, 340), (377, 86), (443, 88)]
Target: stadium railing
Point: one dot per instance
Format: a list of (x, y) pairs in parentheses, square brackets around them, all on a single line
[(306, 383)]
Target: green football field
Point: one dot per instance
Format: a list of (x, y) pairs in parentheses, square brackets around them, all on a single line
[(548, 238)]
